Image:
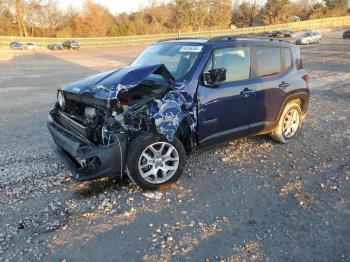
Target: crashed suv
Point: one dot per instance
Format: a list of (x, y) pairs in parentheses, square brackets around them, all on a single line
[(177, 96)]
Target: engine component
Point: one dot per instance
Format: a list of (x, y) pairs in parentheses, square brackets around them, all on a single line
[(90, 112)]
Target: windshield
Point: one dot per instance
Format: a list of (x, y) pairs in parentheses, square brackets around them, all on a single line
[(178, 58), (306, 34)]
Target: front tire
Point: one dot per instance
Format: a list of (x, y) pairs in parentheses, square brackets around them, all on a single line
[(288, 124), (154, 161)]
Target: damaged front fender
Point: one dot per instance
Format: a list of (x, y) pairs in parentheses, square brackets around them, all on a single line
[(170, 111)]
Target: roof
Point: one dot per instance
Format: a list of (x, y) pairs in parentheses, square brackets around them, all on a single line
[(185, 39), (247, 39)]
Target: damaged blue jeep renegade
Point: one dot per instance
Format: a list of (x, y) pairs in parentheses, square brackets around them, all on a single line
[(178, 95)]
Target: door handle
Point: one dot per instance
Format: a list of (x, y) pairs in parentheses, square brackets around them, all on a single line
[(283, 85), (247, 92)]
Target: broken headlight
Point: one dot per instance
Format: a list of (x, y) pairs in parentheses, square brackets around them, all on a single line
[(61, 100)]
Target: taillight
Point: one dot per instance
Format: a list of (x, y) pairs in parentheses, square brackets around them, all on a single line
[(306, 78)]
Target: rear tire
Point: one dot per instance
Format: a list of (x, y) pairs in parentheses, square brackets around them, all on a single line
[(288, 124), (153, 161)]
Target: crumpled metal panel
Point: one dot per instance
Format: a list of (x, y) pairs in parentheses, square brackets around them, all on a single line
[(167, 113), (107, 86), (171, 110)]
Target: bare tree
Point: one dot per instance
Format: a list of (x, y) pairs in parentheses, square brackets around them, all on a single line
[(33, 14), (277, 12), (8, 25), (246, 12), (220, 13), (94, 20), (20, 18)]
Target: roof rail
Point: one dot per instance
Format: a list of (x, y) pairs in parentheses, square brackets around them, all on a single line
[(243, 37), (223, 38), (228, 38), (179, 38)]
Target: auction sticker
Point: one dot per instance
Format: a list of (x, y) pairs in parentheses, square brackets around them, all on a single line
[(191, 48)]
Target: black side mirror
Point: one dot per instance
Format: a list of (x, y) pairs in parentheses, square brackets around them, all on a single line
[(214, 76)]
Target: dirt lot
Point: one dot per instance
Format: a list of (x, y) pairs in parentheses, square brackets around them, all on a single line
[(247, 200)]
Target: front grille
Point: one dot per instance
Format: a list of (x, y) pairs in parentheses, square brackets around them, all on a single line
[(74, 108), (76, 111)]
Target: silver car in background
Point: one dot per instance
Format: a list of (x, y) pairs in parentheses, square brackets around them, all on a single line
[(31, 46), (308, 38)]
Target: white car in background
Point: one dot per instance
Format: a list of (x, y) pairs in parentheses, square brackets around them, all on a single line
[(31, 46), (308, 38)]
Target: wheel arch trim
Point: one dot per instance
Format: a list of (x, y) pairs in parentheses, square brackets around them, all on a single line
[(302, 96)]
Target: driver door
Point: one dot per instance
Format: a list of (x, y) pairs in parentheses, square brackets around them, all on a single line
[(224, 109)]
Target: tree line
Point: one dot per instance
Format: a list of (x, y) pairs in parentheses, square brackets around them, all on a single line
[(44, 18)]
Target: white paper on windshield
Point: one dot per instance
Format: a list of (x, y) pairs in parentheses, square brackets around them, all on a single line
[(191, 48)]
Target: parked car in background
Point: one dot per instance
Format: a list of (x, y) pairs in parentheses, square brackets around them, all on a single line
[(346, 34), (31, 46), (289, 34), (266, 34), (283, 34), (308, 38), (177, 96), (55, 47), (16, 46), (277, 34), (71, 44)]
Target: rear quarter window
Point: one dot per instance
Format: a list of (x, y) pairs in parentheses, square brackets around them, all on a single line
[(268, 61), (287, 57)]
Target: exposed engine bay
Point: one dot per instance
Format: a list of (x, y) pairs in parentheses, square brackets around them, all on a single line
[(127, 113)]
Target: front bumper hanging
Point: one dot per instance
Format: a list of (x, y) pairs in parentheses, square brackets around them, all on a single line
[(84, 159)]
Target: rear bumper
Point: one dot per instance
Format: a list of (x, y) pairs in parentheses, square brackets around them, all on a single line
[(85, 160)]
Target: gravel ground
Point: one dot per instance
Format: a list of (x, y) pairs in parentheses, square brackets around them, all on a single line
[(247, 200)]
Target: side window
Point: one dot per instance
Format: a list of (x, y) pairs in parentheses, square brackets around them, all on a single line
[(287, 57), (268, 61), (236, 61)]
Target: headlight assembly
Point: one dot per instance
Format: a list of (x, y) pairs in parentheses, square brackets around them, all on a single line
[(61, 100)]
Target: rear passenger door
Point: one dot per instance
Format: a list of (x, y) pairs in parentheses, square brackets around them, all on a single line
[(273, 66), (224, 111)]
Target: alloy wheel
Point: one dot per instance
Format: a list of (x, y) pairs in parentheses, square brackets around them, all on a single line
[(158, 163), (291, 123)]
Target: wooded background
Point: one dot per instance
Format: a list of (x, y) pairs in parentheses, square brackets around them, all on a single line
[(44, 18)]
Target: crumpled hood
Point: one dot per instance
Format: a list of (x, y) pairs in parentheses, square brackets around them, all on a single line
[(107, 85)]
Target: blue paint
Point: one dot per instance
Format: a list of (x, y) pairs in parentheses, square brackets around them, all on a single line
[(106, 86), (171, 110), (218, 109)]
